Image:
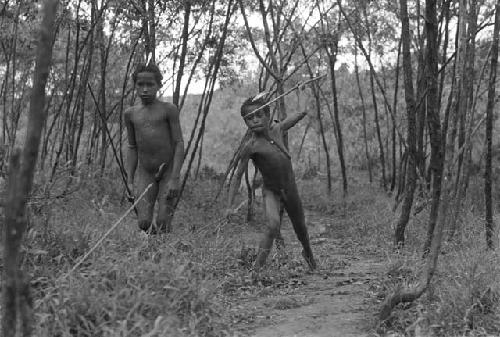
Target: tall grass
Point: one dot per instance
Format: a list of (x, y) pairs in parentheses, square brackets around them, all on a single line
[(463, 299), (191, 283)]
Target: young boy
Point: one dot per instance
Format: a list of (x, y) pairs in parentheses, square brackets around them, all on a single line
[(155, 150), (271, 158)]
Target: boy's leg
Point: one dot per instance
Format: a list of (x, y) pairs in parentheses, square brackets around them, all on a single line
[(280, 242), (146, 205), (293, 206), (271, 210), (165, 206)]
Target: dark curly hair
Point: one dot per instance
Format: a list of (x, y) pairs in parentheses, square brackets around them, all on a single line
[(148, 68), (259, 99)]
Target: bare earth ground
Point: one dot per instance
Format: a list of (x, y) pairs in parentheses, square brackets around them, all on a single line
[(333, 301)]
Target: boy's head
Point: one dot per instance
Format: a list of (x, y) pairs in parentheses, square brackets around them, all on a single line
[(148, 68), (147, 79), (258, 120)]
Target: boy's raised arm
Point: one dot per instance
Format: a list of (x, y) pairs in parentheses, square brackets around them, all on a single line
[(291, 120)]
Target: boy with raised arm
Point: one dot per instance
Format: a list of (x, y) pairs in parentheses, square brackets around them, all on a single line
[(271, 158), (155, 150)]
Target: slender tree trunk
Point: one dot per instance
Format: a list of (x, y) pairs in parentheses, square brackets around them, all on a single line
[(340, 140), (460, 61), (393, 117), (207, 98), (102, 91), (379, 134), (464, 104), (375, 105), (436, 163), (65, 106), (20, 184), (121, 108), (363, 110), (152, 28), (489, 225), (323, 138), (148, 27), (182, 60), (411, 132), (200, 155), (434, 235), (446, 16), (421, 109), (317, 101)]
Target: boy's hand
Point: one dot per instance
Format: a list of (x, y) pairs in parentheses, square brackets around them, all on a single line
[(173, 188), (130, 196), (129, 191), (130, 183)]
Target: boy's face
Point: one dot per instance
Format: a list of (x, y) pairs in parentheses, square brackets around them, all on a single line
[(146, 87), (257, 121)]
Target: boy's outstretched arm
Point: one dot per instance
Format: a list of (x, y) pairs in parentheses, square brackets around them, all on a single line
[(291, 120)]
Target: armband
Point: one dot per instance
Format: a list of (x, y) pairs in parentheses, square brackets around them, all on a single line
[(132, 146)]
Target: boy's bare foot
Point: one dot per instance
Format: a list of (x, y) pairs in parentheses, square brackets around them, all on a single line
[(163, 228), (310, 260)]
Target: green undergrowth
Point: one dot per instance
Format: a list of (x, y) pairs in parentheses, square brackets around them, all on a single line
[(464, 296), (197, 280), (132, 284), (187, 283)]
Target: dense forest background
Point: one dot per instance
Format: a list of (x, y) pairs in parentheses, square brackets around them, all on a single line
[(399, 94), (211, 65)]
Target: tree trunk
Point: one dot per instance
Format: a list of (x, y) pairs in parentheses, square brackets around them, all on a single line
[(340, 141), (394, 125), (207, 97), (421, 109), (148, 26), (467, 119), (411, 133), (363, 110), (489, 130), (21, 181), (436, 163), (317, 101), (182, 60), (434, 125), (375, 105), (367, 58), (379, 135)]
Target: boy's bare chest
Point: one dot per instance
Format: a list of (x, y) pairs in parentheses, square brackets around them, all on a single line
[(149, 118), (267, 148)]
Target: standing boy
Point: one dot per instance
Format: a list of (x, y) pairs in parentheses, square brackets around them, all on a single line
[(155, 145), (271, 158)]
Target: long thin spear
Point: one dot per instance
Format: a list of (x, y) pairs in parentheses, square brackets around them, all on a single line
[(298, 85)]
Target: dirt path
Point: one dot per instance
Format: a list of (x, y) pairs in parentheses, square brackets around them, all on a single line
[(330, 302)]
